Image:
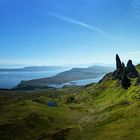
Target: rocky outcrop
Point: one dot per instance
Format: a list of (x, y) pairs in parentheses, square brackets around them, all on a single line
[(117, 74), (131, 70), (123, 73)]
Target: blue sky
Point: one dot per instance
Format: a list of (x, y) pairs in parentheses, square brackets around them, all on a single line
[(59, 32)]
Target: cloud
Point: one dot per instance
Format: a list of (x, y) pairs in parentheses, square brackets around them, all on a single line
[(79, 23)]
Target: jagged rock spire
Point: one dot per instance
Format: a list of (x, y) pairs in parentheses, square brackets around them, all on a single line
[(131, 70), (118, 62), (123, 73), (117, 74)]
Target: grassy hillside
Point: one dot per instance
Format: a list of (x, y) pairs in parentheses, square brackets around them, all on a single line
[(138, 68), (102, 111)]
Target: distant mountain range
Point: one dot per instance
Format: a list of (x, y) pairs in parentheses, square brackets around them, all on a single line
[(33, 69), (67, 76)]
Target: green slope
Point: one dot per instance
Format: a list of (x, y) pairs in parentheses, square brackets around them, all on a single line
[(116, 111), (138, 68), (103, 111)]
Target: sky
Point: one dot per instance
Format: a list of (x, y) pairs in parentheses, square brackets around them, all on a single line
[(60, 32)]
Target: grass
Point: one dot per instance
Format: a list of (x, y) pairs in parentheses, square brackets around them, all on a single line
[(138, 68), (101, 111)]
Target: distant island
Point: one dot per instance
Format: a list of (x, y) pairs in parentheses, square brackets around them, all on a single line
[(64, 77)]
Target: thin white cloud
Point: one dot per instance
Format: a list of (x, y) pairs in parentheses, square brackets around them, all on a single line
[(82, 24)]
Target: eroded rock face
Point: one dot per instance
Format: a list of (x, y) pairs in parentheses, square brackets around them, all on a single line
[(131, 70)]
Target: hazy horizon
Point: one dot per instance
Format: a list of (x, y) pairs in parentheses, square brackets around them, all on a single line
[(85, 65)]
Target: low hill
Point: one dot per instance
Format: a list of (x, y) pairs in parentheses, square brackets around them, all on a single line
[(67, 76)]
